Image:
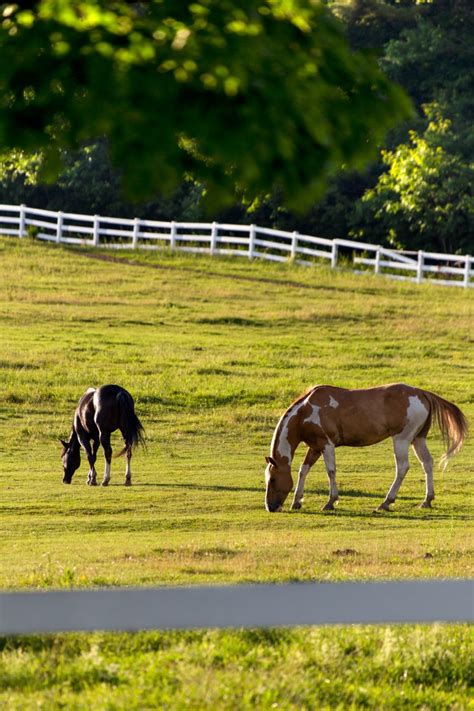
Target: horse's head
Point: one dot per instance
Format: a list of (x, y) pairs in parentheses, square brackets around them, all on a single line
[(71, 459), (279, 484)]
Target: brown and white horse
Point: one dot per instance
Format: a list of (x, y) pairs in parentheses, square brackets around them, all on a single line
[(327, 417)]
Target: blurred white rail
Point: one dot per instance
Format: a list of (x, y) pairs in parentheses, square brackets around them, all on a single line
[(248, 241), (238, 606)]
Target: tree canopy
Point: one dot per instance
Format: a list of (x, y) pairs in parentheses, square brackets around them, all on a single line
[(425, 192), (262, 94), (425, 198)]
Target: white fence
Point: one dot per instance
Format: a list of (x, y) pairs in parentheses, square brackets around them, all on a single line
[(237, 240), (237, 606)]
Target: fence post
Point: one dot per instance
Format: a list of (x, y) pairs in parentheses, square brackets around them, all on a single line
[(136, 230), (251, 241), (213, 244), (467, 271), (334, 254), (377, 262), (173, 235), (59, 226), (95, 234), (419, 268), (294, 245), (21, 224)]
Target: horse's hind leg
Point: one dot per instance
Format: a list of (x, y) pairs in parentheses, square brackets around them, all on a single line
[(128, 472), (426, 460), (329, 454), (400, 449), (311, 457), (105, 442)]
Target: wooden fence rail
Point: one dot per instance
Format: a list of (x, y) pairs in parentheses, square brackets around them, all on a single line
[(238, 606), (250, 241)]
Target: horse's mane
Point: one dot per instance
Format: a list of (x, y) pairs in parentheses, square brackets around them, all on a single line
[(282, 418), (303, 395)]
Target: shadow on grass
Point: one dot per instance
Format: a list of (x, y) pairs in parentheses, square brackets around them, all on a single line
[(6, 365), (237, 276), (345, 493), (416, 514), (323, 492), (202, 487)]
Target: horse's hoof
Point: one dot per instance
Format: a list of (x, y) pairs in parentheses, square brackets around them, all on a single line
[(92, 483), (384, 507), (105, 483), (425, 505), (128, 482), (296, 505), (328, 507)]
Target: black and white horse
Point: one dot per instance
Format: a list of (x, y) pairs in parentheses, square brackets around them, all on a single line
[(100, 412)]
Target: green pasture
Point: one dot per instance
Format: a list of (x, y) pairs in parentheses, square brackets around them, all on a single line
[(213, 351)]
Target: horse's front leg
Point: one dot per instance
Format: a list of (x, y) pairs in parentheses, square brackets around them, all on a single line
[(311, 457), (92, 476), (91, 453), (105, 442), (329, 454)]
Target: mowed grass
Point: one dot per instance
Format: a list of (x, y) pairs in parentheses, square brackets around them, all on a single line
[(213, 351)]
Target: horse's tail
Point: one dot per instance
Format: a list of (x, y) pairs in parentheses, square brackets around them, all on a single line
[(132, 428), (451, 422)]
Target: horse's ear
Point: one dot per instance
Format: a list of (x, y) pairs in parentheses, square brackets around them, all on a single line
[(270, 460), (65, 444)]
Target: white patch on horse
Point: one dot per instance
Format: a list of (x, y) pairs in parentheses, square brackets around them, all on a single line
[(106, 478), (332, 402), (90, 390), (283, 447), (267, 473), (95, 399), (314, 416), (417, 413)]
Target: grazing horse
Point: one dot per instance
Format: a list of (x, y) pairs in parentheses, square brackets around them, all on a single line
[(327, 417), (100, 412)]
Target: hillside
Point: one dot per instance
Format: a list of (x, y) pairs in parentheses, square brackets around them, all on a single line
[(213, 351)]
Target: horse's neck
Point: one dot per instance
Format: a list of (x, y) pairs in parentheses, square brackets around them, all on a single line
[(73, 439), (285, 438)]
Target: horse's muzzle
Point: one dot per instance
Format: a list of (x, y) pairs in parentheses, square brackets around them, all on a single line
[(274, 508)]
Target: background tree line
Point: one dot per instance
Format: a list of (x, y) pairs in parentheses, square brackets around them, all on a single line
[(417, 193)]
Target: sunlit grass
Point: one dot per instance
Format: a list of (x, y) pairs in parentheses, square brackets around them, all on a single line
[(213, 351)]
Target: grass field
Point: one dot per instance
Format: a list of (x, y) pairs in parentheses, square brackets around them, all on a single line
[(213, 351)]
